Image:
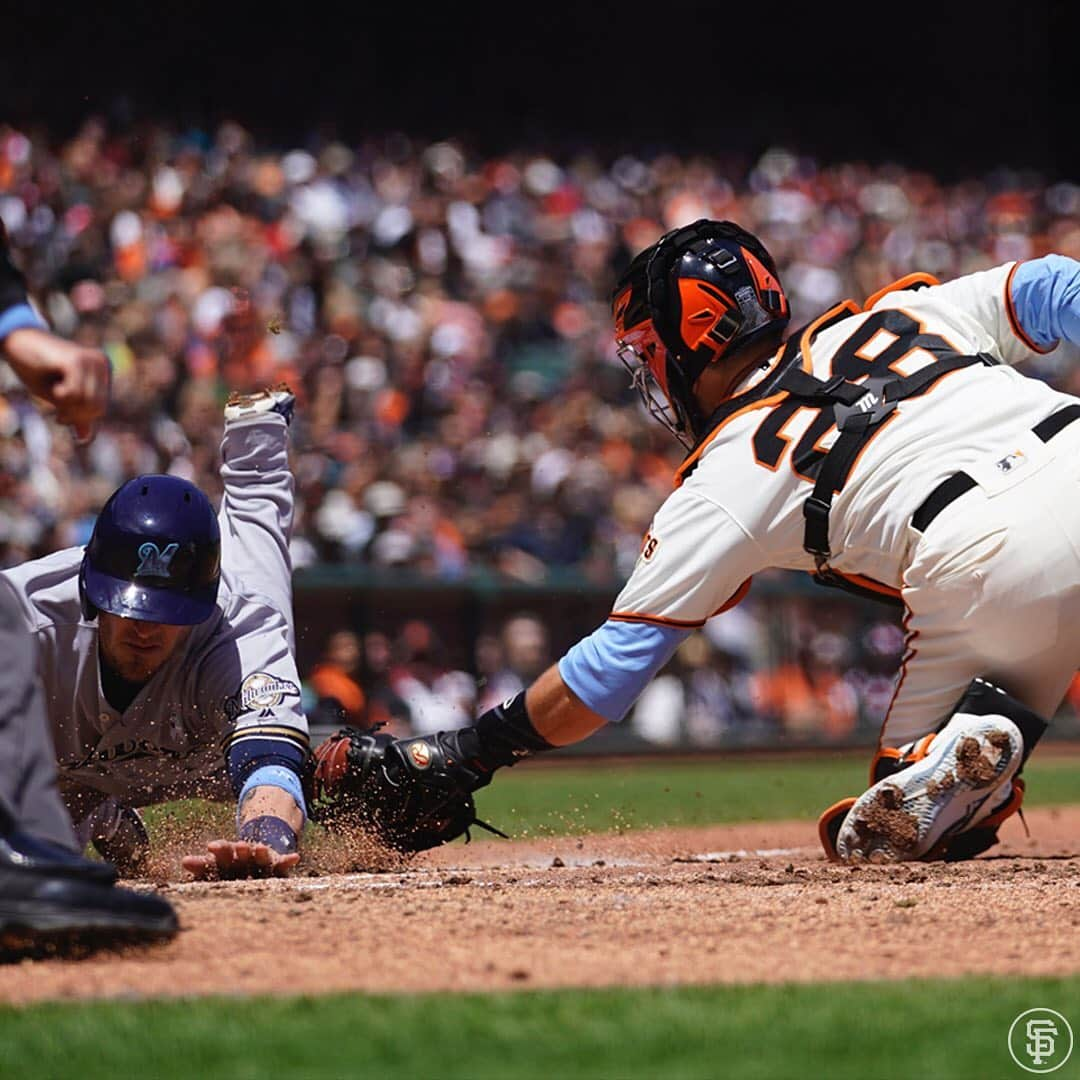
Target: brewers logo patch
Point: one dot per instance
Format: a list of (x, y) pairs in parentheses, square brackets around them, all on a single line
[(261, 692)]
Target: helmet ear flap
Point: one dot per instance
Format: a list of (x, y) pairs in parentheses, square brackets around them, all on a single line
[(89, 611)]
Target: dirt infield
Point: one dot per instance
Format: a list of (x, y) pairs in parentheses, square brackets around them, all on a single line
[(725, 904)]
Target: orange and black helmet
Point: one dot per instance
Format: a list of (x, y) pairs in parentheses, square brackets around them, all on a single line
[(699, 295)]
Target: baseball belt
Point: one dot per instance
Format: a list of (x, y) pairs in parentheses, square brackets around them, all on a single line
[(951, 488)]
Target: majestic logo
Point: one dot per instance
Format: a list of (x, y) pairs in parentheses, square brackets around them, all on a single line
[(420, 752), (261, 691), (1040, 1040), (153, 562)]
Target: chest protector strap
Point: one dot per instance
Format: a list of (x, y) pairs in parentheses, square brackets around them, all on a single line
[(860, 410)]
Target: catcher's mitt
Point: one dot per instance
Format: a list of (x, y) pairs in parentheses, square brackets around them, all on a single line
[(412, 794)]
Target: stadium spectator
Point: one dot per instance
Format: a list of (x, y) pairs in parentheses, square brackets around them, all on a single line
[(813, 695), (881, 647), (426, 301), (334, 681), (522, 653), (384, 705), (702, 698), (439, 697), (443, 316)]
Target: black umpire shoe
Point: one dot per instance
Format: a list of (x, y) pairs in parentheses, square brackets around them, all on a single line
[(54, 901), (19, 849)]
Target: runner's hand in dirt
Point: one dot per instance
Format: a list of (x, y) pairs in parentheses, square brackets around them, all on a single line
[(268, 828), (230, 859)]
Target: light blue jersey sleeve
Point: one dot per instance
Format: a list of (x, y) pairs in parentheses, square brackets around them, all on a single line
[(1046, 299), (609, 669), (19, 317)]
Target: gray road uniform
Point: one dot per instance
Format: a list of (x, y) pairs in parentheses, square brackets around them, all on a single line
[(223, 714), (28, 795)]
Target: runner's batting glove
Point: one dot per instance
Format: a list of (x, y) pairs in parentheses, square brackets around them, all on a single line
[(277, 399)]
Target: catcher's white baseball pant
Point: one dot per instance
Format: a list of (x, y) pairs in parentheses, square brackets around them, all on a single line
[(993, 588)]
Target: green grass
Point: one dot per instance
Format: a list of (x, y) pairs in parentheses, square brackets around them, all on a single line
[(936, 1030), (537, 800), (588, 798), (945, 1029)]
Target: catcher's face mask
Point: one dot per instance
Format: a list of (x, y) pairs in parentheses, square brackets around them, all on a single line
[(698, 296)]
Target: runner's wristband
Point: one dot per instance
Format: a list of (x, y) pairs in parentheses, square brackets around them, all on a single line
[(272, 831)]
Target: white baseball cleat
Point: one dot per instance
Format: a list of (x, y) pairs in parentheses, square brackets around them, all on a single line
[(276, 399), (971, 761)]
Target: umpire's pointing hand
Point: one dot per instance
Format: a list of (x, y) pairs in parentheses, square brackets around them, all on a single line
[(73, 379)]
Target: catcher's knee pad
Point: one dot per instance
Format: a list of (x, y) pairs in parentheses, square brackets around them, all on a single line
[(956, 779)]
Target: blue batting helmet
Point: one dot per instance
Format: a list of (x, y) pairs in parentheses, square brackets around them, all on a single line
[(154, 555)]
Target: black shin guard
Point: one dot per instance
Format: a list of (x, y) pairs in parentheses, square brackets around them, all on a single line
[(983, 698)]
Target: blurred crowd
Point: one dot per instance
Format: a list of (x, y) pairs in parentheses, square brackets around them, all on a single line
[(785, 670), (782, 672), (444, 320), (442, 316), (407, 683)]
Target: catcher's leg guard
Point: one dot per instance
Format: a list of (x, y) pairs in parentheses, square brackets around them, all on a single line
[(945, 785)]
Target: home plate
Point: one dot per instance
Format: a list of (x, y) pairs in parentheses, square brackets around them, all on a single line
[(744, 853)]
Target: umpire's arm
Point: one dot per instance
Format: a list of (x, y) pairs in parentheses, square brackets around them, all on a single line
[(73, 379)]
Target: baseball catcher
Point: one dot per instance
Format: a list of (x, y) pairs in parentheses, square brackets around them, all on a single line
[(892, 448)]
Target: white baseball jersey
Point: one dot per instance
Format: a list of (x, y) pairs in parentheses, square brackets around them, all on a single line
[(234, 679), (739, 507)]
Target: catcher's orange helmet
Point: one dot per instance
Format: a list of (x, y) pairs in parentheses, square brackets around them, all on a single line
[(699, 295)]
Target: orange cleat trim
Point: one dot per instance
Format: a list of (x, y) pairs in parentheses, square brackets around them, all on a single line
[(829, 826), (1015, 802)]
